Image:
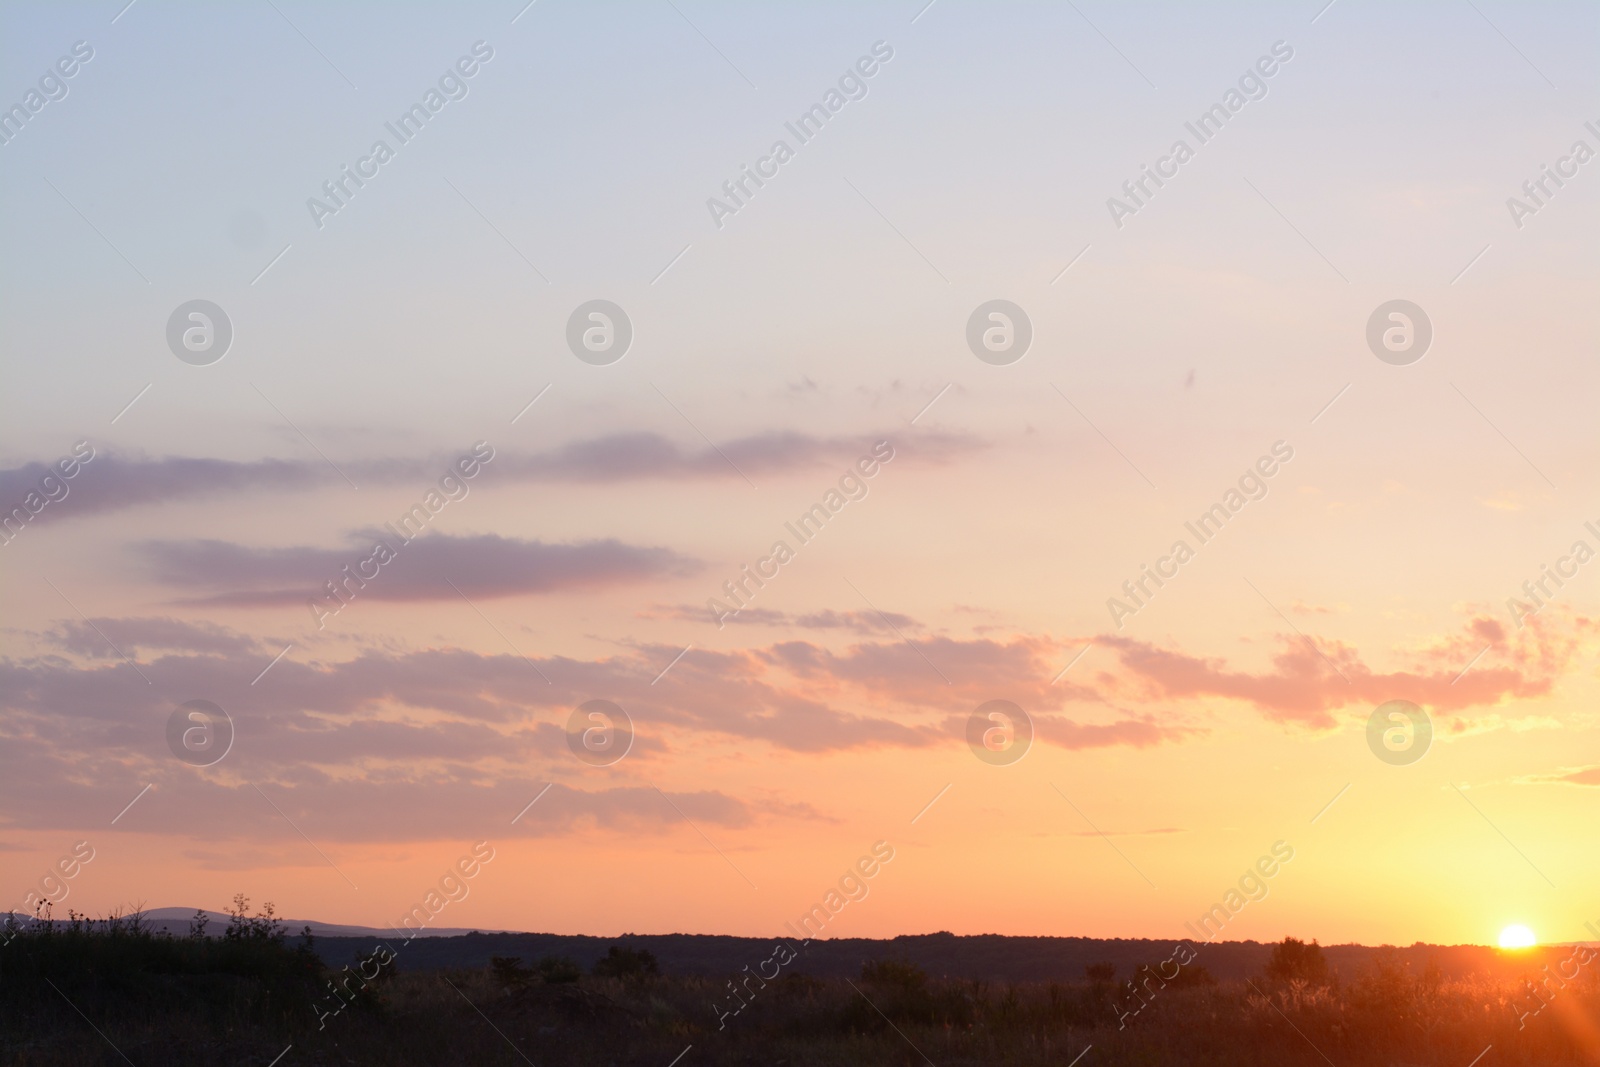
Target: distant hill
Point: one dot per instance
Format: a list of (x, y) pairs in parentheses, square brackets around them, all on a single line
[(989, 957)]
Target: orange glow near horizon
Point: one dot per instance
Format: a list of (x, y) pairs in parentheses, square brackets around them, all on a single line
[(1137, 552)]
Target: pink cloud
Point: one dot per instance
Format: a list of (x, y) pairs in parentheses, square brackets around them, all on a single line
[(1586, 776), (357, 741), (1309, 680)]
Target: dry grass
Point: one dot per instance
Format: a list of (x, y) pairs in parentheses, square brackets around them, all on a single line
[(198, 1006)]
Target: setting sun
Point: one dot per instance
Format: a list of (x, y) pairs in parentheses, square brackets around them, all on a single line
[(1517, 937), (1025, 578)]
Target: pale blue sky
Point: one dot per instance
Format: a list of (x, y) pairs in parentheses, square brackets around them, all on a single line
[(594, 137), (826, 314)]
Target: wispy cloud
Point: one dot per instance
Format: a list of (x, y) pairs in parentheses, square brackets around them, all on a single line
[(1303, 686), (1582, 776), (485, 566), (115, 481), (860, 622), (355, 742), (88, 637)]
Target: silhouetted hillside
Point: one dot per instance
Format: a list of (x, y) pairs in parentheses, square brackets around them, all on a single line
[(990, 957)]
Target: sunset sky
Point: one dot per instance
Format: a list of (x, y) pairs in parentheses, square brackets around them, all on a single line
[(1222, 320)]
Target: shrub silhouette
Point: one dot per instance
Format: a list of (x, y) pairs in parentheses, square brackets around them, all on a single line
[(1294, 960), (1100, 972), (118, 964), (509, 972), (1192, 977), (907, 977), (560, 970), (621, 961), (263, 926), (901, 992)]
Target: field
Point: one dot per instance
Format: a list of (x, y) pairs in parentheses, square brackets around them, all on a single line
[(122, 994)]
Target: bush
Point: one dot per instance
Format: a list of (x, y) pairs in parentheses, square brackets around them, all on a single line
[(1192, 977), (119, 965), (799, 986), (508, 971), (263, 926), (896, 974), (902, 993), (1294, 960), (623, 962), (560, 970)]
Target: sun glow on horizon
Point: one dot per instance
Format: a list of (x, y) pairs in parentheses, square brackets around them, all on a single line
[(1517, 936)]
